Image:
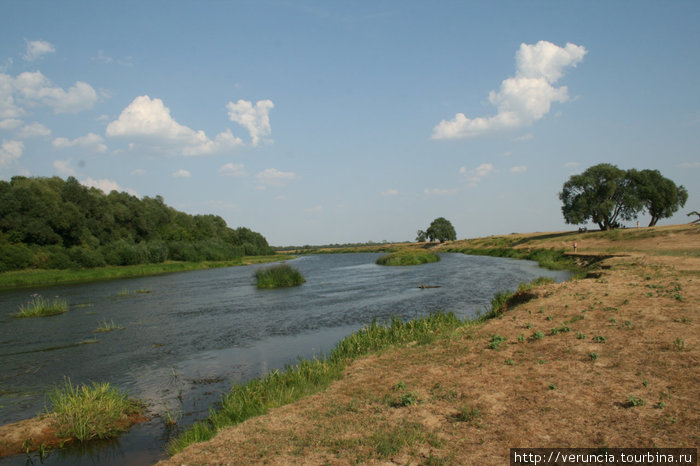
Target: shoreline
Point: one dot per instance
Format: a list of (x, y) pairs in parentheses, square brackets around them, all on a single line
[(28, 278), (609, 359)]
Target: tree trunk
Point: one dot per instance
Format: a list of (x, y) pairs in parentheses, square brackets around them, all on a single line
[(653, 221)]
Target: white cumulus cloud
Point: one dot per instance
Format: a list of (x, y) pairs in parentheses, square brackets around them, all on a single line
[(518, 169), (37, 89), (34, 130), (63, 168), (256, 119), (90, 142), (475, 175), (106, 186), (522, 99), (233, 169), (10, 123), (149, 120), (274, 177), (181, 173), (37, 49), (10, 151)]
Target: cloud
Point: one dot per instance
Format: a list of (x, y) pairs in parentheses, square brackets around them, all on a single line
[(106, 186), (475, 175), (91, 142), (8, 107), (34, 130), (524, 137), (439, 192), (37, 49), (690, 165), (181, 173), (255, 119), (522, 99), (150, 121), (274, 177), (138, 172), (390, 192), (10, 123), (233, 169), (10, 151), (37, 89), (63, 168), (317, 209), (571, 164), (520, 169)]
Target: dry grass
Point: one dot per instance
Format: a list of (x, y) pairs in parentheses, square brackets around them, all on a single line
[(458, 401)]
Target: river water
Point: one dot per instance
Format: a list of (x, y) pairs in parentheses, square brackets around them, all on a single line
[(188, 337)]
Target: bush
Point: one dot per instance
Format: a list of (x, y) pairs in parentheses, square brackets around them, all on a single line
[(85, 257), (278, 276), (15, 256)]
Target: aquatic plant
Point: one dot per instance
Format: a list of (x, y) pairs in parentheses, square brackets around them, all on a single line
[(278, 276), (409, 257), (85, 412), (39, 306), (105, 326)]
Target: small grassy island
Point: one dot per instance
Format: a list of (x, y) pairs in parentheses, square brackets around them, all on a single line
[(409, 257), (42, 307), (79, 413), (278, 276)]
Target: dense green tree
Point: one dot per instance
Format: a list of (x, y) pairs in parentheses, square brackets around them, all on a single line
[(421, 236), (442, 230), (603, 194), (660, 196), (52, 223)]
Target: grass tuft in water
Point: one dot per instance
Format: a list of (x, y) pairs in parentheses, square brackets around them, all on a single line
[(97, 411), (279, 276), (105, 326), (39, 306), (412, 257)]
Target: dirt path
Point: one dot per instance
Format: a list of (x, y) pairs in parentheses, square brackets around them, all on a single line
[(608, 361)]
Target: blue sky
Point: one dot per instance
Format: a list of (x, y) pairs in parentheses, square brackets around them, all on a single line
[(319, 122)]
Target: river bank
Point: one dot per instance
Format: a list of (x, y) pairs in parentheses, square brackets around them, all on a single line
[(610, 360), (40, 277)]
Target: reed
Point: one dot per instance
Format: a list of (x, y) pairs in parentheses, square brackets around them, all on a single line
[(410, 257), (39, 306), (97, 411), (279, 276)]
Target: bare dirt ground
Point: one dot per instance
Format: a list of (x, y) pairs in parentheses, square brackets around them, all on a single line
[(607, 361)]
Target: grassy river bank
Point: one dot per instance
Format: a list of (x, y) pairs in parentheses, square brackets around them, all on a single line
[(608, 359), (41, 277)]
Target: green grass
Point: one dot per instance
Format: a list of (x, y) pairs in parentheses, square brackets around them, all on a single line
[(39, 306), (97, 411), (409, 257), (278, 388), (104, 327), (279, 276), (553, 259), (40, 277)]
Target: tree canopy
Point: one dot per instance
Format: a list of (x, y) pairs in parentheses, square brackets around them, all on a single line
[(52, 223), (442, 230), (606, 195)]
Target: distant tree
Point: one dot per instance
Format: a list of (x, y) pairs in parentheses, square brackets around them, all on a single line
[(420, 236), (442, 230), (660, 196), (603, 194)]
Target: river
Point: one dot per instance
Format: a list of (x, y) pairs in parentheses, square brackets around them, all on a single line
[(187, 337)]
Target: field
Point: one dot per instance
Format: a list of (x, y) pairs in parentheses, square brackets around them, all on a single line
[(609, 359)]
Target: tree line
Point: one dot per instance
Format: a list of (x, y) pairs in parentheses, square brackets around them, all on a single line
[(57, 224), (607, 195)]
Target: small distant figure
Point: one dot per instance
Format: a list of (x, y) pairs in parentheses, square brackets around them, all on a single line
[(575, 246), (637, 223)]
